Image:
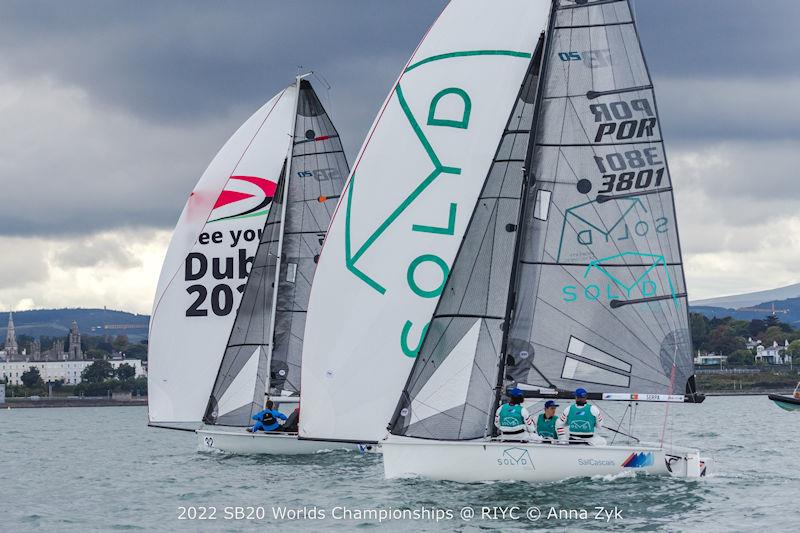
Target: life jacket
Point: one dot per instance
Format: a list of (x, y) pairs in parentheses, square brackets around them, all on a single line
[(268, 419), (546, 427), (511, 416), (580, 420)]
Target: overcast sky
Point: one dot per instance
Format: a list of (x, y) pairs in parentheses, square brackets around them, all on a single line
[(110, 111)]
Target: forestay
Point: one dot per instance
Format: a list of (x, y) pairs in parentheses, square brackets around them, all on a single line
[(404, 212), (207, 263), (309, 187)]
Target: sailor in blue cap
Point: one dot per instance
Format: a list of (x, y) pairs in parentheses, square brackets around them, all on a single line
[(512, 419), (580, 422), (546, 422)]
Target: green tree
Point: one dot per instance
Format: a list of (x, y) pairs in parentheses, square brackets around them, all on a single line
[(97, 372), (722, 341), (31, 378), (120, 343), (755, 327), (136, 351), (741, 357), (773, 334), (125, 372), (96, 353), (700, 329)]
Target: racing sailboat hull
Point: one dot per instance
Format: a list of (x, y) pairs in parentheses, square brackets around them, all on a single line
[(483, 460), (240, 441)]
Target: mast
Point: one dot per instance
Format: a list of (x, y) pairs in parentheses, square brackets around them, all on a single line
[(285, 193), (526, 183)]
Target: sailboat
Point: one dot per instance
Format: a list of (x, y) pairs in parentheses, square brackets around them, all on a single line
[(229, 316), (568, 270)]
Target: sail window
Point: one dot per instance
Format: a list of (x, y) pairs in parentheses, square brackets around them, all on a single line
[(291, 272), (542, 207), (580, 371), (587, 351)]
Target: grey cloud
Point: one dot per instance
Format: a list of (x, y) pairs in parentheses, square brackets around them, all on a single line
[(187, 60), (719, 38), (98, 250), (732, 109)]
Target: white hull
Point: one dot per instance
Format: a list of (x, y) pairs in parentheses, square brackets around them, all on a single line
[(239, 441), (471, 461)]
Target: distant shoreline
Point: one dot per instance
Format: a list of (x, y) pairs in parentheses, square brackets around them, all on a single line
[(15, 403)]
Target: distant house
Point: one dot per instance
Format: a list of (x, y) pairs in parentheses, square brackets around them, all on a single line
[(752, 343), (710, 359), (774, 355)]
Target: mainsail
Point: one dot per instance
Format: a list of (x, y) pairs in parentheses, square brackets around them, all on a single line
[(207, 263), (597, 294), (404, 211), (291, 241)]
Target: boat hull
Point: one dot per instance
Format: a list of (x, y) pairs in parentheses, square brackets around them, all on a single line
[(239, 441), (786, 402), (473, 461)]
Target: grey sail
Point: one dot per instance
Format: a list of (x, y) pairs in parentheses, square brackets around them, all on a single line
[(319, 168), (315, 177), (451, 388), (601, 297)]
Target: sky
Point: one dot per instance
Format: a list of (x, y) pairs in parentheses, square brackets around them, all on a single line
[(111, 110)]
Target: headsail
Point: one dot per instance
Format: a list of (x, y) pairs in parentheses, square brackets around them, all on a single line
[(307, 195), (597, 295), (208, 261), (404, 212), (467, 326)]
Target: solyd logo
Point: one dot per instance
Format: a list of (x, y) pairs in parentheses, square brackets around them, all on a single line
[(639, 460), (516, 456)]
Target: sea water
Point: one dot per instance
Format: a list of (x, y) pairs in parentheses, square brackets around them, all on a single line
[(103, 469)]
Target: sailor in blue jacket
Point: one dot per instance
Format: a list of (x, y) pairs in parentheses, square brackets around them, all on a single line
[(267, 420)]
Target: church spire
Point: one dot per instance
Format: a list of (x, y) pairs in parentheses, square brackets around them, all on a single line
[(11, 346)]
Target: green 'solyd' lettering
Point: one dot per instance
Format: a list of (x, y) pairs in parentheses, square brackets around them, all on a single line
[(612, 286), (449, 107)]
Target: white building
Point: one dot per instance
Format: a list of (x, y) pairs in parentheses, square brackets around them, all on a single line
[(710, 359), (775, 354), (67, 371)]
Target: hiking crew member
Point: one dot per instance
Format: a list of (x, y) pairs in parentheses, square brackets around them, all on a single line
[(512, 419), (546, 422), (267, 420), (580, 421)]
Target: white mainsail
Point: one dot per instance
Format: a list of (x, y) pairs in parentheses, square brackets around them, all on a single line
[(208, 261), (404, 211)]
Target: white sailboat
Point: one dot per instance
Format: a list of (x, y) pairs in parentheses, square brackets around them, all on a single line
[(568, 271), (228, 321)]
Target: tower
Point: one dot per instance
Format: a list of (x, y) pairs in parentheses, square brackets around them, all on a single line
[(75, 352), (11, 346)]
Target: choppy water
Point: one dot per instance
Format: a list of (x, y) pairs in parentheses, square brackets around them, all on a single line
[(102, 469)]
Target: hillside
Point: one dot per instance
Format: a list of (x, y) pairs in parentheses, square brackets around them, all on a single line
[(751, 299), (56, 322)]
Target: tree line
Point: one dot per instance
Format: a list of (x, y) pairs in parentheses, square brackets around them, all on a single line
[(726, 336)]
